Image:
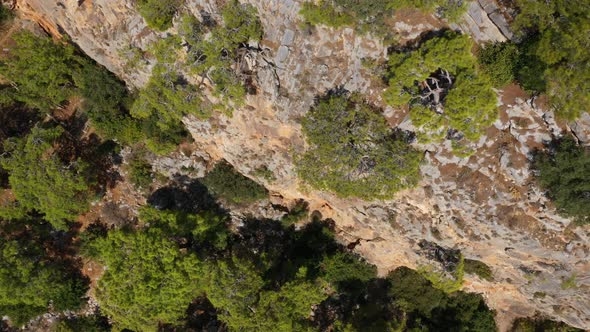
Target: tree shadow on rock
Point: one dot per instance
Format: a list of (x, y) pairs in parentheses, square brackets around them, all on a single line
[(186, 195)]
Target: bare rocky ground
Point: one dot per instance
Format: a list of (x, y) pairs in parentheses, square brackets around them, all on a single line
[(487, 205)]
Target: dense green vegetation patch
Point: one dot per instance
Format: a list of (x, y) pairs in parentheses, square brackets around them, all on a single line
[(225, 182), (352, 151), (447, 96), (541, 324), (30, 282), (148, 280), (563, 171), (365, 16), (159, 14), (448, 9), (500, 61), (556, 49), (372, 16), (478, 268), (41, 181)]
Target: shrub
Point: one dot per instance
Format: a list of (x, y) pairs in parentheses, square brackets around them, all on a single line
[(557, 31), (299, 212), (159, 14), (326, 13), (562, 171), (478, 268), (213, 57), (92, 323), (41, 181), (205, 228), (225, 182), (447, 97), (235, 288), (29, 282), (352, 151), (449, 9), (500, 62), (140, 171), (448, 282), (365, 16), (41, 70), (346, 271), (5, 14), (532, 324), (148, 280), (412, 292), (168, 98)]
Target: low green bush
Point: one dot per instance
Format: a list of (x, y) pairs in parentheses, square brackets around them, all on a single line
[(159, 14), (226, 183), (353, 153), (500, 61), (562, 170), (478, 268)]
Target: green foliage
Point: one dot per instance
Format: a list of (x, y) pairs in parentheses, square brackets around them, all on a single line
[(235, 288), (412, 292), (148, 280), (365, 16), (159, 14), (168, 99), (140, 171), (443, 280), (465, 312), (288, 308), (535, 324), (41, 71), (347, 271), (265, 173), (105, 102), (41, 181), (213, 57), (568, 283), (353, 152), (5, 14), (478, 268), (225, 182), (47, 74), (446, 94), (500, 61), (431, 309), (326, 13), (299, 212), (29, 282), (562, 170), (372, 16), (559, 32), (204, 228), (92, 323), (448, 9)]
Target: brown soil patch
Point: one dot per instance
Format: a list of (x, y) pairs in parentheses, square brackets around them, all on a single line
[(414, 18), (512, 92), (93, 271), (66, 112)]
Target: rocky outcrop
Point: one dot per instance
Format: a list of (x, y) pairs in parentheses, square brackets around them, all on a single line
[(487, 205)]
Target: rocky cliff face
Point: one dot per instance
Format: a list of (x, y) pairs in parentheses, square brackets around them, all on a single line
[(487, 205)]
